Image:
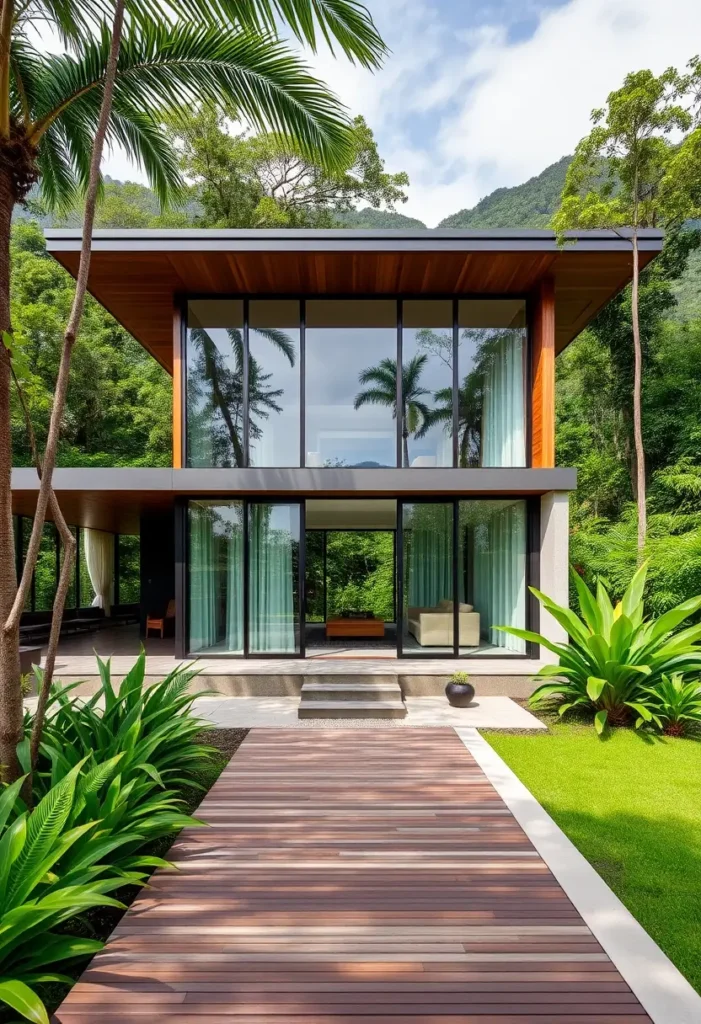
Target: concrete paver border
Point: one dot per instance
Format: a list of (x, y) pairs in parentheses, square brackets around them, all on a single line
[(662, 990)]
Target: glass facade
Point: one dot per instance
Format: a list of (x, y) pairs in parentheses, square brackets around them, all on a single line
[(314, 383), (451, 576)]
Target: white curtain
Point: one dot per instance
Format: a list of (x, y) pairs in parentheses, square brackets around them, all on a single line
[(99, 556), (503, 419), (499, 575)]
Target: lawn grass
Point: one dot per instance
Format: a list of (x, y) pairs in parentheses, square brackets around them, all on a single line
[(633, 807)]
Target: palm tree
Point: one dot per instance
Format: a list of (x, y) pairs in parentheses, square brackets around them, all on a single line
[(116, 83), (416, 415), (215, 385)]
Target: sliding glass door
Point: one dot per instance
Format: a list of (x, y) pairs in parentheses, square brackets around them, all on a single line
[(215, 601), (274, 532), (463, 574)]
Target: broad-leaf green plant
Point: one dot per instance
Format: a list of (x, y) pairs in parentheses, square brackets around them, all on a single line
[(674, 703), (613, 653), (38, 894)]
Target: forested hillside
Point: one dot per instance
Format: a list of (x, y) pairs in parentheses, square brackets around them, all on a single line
[(530, 205)]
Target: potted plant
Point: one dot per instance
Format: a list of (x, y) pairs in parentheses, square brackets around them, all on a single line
[(459, 690)]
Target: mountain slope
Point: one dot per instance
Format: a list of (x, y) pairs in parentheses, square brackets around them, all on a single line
[(377, 219), (530, 205)]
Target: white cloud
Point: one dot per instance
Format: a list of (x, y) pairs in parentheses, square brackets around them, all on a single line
[(467, 111)]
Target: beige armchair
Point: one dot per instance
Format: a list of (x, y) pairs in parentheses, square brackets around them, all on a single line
[(433, 627)]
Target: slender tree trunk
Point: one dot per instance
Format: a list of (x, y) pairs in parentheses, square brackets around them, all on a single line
[(637, 401), (10, 688), (405, 444), (49, 460)]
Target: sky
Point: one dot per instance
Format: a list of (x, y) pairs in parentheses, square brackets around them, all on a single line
[(481, 94)]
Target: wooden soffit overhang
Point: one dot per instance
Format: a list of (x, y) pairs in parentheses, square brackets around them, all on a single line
[(140, 275)]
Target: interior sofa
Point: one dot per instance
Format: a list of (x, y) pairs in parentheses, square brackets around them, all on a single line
[(433, 627)]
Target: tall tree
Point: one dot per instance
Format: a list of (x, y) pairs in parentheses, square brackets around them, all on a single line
[(619, 178), (416, 414), (266, 180), (112, 89)]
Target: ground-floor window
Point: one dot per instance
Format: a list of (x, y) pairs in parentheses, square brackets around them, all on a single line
[(418, 578)]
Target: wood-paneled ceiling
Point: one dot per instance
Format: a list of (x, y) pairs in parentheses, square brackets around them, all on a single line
[(139, 275)]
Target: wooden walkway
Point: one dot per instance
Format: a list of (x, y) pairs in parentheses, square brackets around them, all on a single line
[(354, 876)]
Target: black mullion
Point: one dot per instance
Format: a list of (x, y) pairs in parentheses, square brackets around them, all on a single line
[(324, 537), (456, 607), (398, 399), (184, 455), (400, 579), (528, 382), (57, 543), (302, 569), (456, 382), (302, 382), (246, 411)]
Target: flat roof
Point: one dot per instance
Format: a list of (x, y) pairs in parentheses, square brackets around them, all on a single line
[(138, 275)]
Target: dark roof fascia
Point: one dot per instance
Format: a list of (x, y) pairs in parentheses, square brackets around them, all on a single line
[(351, 240)]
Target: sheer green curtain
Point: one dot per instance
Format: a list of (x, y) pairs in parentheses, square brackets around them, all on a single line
[(428, 540), (503, 413), (203, 578), (273, 591), (499, 574)]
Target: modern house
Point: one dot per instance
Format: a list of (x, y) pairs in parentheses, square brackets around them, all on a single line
[(292, 428)]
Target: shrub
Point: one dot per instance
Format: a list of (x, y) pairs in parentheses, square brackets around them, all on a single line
[(614, 654), (50, 871), (675, 705)]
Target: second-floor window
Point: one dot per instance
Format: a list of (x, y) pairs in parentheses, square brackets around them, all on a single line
[(315, 383)]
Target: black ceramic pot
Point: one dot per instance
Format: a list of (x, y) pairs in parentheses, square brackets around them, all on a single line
[(460, 695)]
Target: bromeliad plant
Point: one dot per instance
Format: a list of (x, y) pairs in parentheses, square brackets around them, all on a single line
[(51, 870), (614, 654), (675, 705)]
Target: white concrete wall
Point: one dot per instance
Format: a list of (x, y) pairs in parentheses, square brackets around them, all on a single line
[(554, 561)]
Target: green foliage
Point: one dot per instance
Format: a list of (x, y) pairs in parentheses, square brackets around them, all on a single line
[(460, 677), (530, 205), (118, 409), (268, 180), (50, 871), (360, 573), (675, 705), (613, 653)]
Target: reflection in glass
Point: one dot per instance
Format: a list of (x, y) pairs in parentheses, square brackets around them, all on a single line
[(215, 384), (427, 383), (492, 570), (129, 573), (216, 576), (45, 576), (351, 350), (491, 367), (314, 575), (274, 539), (427, 620), (273, 383)]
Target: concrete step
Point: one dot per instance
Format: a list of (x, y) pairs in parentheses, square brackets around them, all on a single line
[(346, 690), (334, 678), (352, 709)]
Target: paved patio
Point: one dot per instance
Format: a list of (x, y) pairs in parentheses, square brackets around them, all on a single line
[(360, 877)]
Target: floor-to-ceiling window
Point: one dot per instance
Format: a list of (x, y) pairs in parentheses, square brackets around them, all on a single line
[(427, 383), (274, 382), (215, 584), (492, 567), (351, 383), (274, 532), (314, 382), (427, 578), (491, 382)]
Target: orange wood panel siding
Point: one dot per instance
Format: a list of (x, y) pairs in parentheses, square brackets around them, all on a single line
[(177, 392), (543, 377)]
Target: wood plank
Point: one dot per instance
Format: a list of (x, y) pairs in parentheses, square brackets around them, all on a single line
[(543, 376), (357, 876)]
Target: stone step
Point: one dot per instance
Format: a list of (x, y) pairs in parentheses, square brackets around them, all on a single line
[(334, 678), (342, 690), (352, 709)]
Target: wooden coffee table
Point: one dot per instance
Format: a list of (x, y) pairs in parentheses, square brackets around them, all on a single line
[(355, 627)]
